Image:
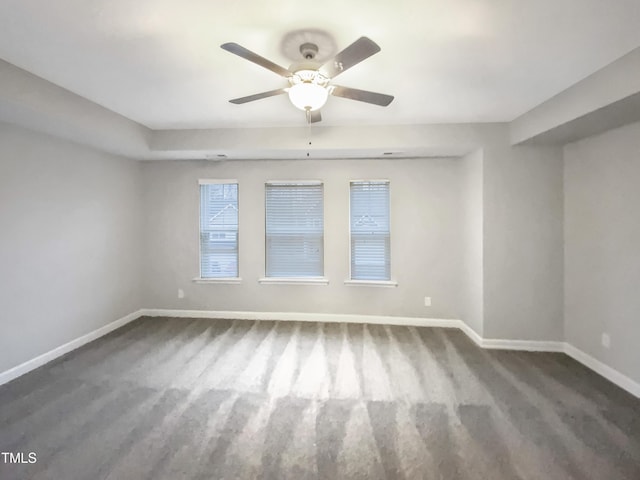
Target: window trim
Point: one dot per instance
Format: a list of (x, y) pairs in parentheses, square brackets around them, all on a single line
[(215, 181), (227, 280), (200, 278), (369, 283), (294, 280)]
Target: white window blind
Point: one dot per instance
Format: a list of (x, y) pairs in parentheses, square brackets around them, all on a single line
[(218, 229), (294, 230), (370, 235)]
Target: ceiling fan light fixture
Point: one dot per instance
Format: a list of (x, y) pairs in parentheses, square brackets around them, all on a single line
[(308, 96), (311, 82)]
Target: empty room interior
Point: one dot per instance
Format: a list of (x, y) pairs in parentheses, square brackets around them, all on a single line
[(328, 240)]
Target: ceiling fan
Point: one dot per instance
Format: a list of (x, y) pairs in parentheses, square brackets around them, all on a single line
[(310, 82)]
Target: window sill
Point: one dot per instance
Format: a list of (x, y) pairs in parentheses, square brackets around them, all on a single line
[(371, 283), (227, 280), (294, 281)]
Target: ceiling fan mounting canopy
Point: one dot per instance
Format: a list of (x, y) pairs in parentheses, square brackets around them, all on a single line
[(309, 50), (309, 81), (324, 45)]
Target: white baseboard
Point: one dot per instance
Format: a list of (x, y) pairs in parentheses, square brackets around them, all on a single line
[(523, 345), (587, 360), (529, 345), (500, 344), (606, 371), (305, 317), (471, 333), (40, 360)]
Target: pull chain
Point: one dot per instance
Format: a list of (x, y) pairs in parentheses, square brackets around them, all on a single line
[(308, 112)]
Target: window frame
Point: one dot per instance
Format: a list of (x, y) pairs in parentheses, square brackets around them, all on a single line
[(298, 280), (390, 282), (229, 280)]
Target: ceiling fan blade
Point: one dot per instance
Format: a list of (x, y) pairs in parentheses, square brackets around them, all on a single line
[(258, 96), (316, 116), (355, 53), (255, 58), (361, 95)]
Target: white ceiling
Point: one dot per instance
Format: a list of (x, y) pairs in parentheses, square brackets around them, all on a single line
[(158, 62)]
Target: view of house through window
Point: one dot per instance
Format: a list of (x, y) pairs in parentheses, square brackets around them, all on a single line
[(294, 229), (370, 232), (218, 229)]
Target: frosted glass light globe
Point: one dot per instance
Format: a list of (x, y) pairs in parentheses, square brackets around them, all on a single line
[(308, 96)]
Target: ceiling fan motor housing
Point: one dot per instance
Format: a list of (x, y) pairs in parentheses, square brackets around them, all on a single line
[(307, 73)]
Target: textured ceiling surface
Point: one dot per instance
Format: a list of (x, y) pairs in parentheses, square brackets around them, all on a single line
[(158, 62)]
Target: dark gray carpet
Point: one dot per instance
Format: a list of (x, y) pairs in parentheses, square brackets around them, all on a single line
[(210, 399)]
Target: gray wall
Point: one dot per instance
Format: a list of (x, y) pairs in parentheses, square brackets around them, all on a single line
[(523, 245), (602, 247), (481, 235), (69, 256), (472, 241), (425, 237), (520, 239)]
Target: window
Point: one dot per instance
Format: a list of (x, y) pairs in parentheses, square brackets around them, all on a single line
[(294, 230), (369, 218), (218, 229)]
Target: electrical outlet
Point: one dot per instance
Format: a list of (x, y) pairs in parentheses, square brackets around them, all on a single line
[(180, 293), (606, 340), (427, 301)]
